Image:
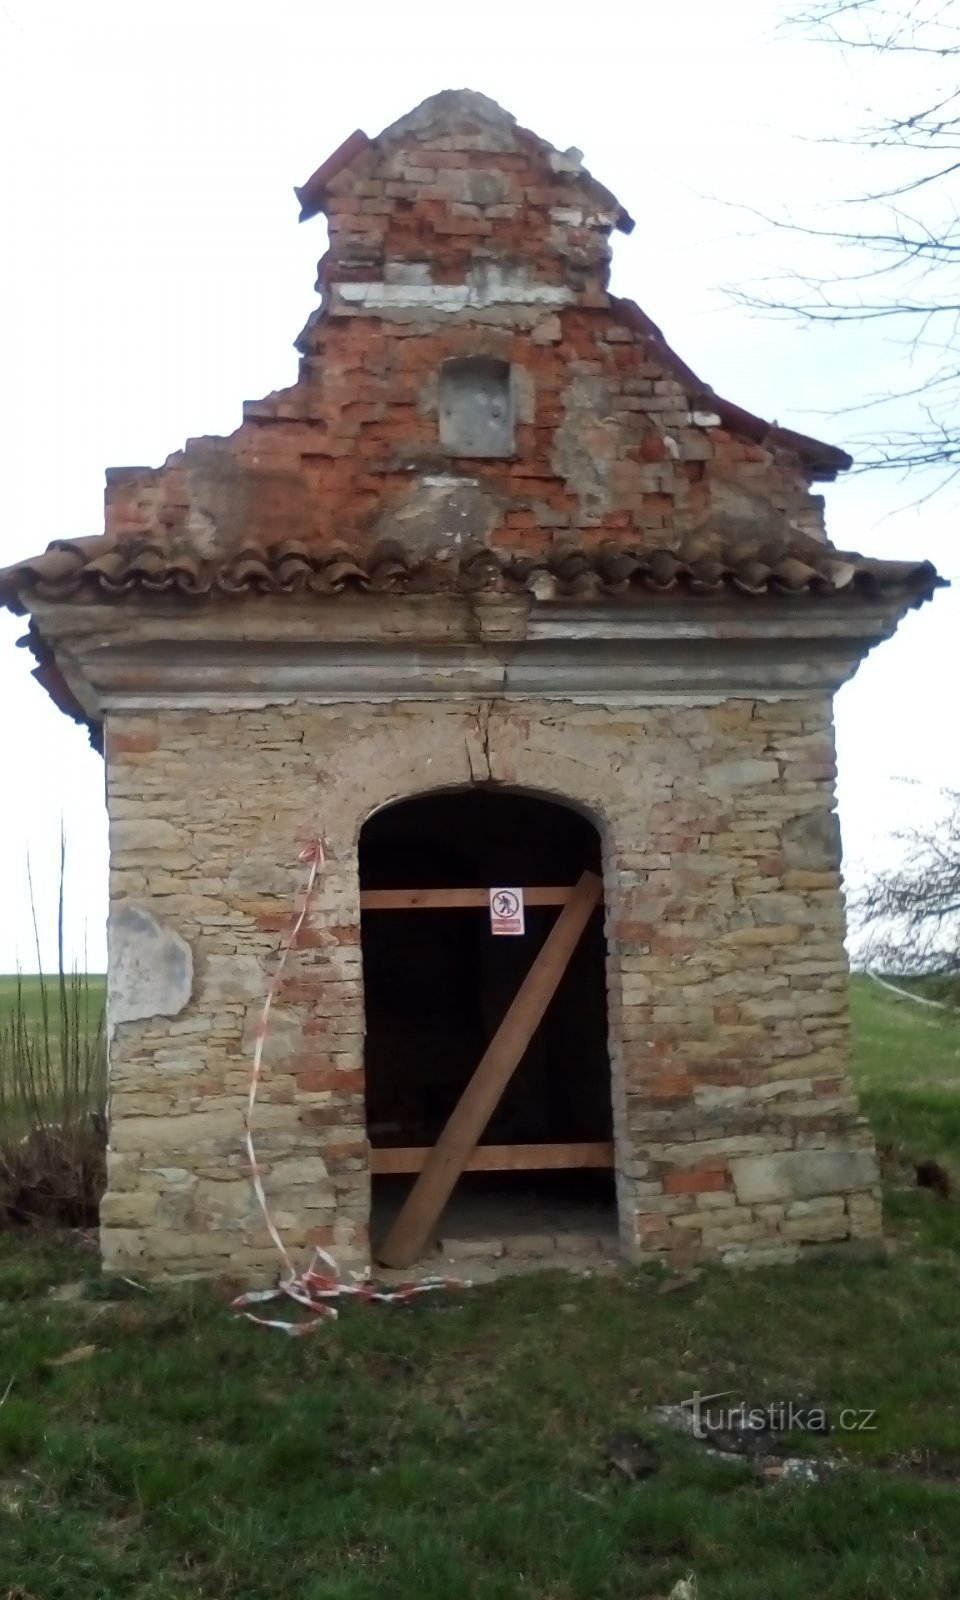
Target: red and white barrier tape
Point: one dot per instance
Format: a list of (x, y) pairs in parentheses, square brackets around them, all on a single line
[(316, 1285)]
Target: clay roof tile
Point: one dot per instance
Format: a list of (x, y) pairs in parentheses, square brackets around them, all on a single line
[(792, 575), (661, 568), (107, 569)]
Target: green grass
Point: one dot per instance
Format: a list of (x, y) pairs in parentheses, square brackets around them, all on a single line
[(456, 1444), (32, 1000), (907, 1066), (52, 1097)]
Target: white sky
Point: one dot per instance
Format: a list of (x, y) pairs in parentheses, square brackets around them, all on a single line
[(153, 276)]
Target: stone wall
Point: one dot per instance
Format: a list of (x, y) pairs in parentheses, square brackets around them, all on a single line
[(736, 1134)]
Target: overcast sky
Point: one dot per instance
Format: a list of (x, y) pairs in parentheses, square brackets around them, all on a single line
[(153, 276)]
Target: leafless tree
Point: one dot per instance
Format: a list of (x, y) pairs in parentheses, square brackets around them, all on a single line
[(902, 238), (906, 917)]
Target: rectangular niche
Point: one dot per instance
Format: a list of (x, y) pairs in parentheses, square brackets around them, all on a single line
[(475, 407)]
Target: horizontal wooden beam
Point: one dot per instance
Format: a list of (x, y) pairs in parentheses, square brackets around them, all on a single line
[(452, 899), (501, 1157)]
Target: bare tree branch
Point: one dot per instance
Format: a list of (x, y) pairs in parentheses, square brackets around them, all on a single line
[(903, 262), (908, 917)]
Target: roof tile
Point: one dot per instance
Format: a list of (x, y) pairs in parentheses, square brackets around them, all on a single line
[(107, 569)]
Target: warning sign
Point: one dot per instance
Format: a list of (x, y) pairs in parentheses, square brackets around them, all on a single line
[(506, 911)]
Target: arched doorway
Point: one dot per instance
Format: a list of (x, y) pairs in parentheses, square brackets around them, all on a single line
[(439, 984)]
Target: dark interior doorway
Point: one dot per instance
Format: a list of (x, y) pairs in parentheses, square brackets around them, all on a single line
[(438, 984)]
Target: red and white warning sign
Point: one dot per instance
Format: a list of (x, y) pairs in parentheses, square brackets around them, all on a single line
[(506, 911)]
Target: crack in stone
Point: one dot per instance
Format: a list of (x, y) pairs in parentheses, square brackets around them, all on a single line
[(483, 724), (481, 717)]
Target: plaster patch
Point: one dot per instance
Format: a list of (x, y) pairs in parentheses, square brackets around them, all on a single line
[(151, 966), (491, 290), (802, 1174), (435, 515)]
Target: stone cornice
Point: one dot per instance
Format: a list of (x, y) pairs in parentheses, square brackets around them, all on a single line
[(141, 656)]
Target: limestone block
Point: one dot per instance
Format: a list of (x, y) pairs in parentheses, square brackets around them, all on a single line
[(121, 1249), (814, 1230), (826, 1205), (227, 1199), (761, 1255), (722, 777), (123, 1172), (796, 878), (144, 833), (305, 1170), (700, 1150), (743, 1233), (231, 977), (866, 1216), (802, 1174), (122, 1208), (811, 842), (787, 933), (183, 1134), (781, 907)]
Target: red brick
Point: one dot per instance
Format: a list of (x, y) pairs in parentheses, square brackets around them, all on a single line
[(321, 1078), (121, 744), (695, 1180), (669, 1085), (322, 1234)]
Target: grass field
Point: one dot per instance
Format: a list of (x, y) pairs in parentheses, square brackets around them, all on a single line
[(460, 1444), (32, 1000)]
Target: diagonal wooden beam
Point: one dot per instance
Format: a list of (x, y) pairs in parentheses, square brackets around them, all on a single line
[(456, 1144)]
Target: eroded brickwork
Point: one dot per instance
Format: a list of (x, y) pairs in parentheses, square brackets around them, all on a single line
[(736, 1133), (458, 235)]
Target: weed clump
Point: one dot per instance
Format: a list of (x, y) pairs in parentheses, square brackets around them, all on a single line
[(53, 1093)]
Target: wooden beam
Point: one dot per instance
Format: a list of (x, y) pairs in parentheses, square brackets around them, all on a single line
[(470, 1116), (452, 899), (501, 1157)]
